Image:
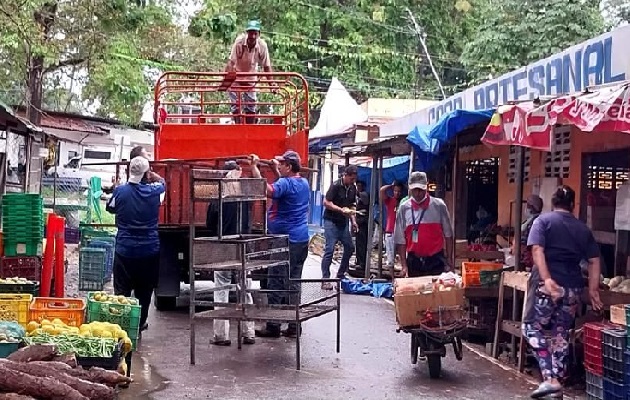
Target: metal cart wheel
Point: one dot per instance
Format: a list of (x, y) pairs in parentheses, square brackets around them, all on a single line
[(414, 348)]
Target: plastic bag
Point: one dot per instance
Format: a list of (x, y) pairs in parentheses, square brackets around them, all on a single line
[(12, 330), (356, 286), (449, 279)]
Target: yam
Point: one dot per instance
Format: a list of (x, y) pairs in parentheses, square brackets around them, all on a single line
[(15, 396), (41, 388), (34, 352), (94, 374), (69, 358), (94, 391)]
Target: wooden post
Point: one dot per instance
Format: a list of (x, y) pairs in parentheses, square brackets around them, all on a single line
[(374, 197), (518, 212), (455, 177)]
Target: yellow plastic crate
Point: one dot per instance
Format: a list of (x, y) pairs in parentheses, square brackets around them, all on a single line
[(15, 307)]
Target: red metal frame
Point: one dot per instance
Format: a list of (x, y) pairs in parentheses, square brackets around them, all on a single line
[(283, 117)]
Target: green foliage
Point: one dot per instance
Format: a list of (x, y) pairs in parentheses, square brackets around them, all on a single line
[(516, 32)]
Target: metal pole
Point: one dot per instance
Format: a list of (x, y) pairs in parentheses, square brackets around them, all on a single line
[(375, 195), (518, 212), (373, 189), (191, 266), (454, 192), (412, 158)]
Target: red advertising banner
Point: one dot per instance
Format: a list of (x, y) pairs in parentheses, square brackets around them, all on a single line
[(519, 125)]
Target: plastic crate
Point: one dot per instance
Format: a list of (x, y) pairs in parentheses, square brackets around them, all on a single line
[(594, 385), (125, 315), (109, 248), (109, 363), (70, 311), (470, 271), (92, 263), (28, 248), (89, 233), (15, 307), (593, 360), (613, 390), (6, 349), (72, 236), (21, 288), (593, 333), (490, 278), (24, 267)]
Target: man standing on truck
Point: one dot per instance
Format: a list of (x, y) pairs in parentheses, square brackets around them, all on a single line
[(136, 205), (288, 215), (423, 229), (223, 278), (249, 52), (340, 204)]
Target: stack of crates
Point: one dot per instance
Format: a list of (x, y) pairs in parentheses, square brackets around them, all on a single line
[(23, 224), (594, 359), (614, 362), (92, 263)]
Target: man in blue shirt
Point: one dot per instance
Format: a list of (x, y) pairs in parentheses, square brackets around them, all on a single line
[(288, 215), (136, 205)]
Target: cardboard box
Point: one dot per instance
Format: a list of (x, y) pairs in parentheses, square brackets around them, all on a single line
[(411, 306)]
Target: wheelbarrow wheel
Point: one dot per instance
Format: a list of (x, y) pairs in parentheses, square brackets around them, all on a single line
[(434, 361), (414, 349)]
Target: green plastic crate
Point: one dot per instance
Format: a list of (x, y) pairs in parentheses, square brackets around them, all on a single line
[(125, 315), (6, 349), (92, 262), (89, 233), (14, 248), (22, 288)]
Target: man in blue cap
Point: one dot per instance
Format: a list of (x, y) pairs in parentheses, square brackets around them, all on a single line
[(288, 215), (248, 53)]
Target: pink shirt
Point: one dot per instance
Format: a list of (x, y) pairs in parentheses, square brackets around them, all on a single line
[(391, 205)]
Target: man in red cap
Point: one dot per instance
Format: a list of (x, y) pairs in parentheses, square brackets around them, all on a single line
[(288, 215)]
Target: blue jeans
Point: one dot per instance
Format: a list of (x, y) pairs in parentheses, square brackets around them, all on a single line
[(334, 233), (283, 277)]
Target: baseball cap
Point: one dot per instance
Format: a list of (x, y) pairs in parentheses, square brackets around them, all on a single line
[(418, 180), (291, 157), (138, 166), (253, 25), (230, 165)]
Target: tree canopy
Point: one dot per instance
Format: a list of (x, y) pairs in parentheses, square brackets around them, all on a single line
[(104, 55)]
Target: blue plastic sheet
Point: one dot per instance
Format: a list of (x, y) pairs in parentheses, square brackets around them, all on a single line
[(355, 286)]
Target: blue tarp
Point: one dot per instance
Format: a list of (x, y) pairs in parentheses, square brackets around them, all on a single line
[(355, 286), (452, 123)]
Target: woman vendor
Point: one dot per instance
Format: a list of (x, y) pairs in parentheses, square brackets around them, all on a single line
[(559, 242), (534, 208)]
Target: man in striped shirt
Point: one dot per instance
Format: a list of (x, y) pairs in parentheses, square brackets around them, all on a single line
[(423, 230)]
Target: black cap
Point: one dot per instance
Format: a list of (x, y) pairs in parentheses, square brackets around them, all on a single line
[(350, 170)]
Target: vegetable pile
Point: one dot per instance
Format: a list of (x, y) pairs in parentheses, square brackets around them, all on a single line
[(81, 346), (618, 284), (93, 329), (10, 332), (33, 373), (15, 281), (104, 297)]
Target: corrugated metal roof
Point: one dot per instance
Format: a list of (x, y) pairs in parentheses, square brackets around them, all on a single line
[(23, 125), (81, 137)]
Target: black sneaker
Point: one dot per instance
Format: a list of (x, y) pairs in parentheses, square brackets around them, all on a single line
[(144, 327), (268, 333), (223, 343), (249, 340)]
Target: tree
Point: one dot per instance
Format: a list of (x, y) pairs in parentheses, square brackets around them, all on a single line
[(368, 44), (106, 49), (515, 33), (617, 12)]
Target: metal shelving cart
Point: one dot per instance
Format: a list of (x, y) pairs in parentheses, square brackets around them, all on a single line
[(244, 255)]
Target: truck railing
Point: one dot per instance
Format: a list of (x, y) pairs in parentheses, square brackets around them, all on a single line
[(202, 98)]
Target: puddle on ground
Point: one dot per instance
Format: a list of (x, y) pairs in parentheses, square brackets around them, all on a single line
[(146, 381)]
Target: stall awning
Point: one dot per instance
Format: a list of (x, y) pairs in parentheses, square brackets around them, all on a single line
[(453, 123)]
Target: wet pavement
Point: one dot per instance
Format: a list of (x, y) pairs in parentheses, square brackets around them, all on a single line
[(373, 363)]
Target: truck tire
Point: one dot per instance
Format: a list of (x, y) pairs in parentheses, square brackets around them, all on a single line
[(165, 303)]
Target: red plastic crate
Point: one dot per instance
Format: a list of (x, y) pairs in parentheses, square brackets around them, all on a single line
[(593, 334), (23, 267), (593, 360)]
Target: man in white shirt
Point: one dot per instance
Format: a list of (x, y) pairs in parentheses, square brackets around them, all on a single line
[(249, 52)]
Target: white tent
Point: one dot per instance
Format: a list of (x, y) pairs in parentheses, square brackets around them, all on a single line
[(339, 113)]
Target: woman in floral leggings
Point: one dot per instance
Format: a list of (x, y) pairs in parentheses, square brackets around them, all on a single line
[(559, 242)]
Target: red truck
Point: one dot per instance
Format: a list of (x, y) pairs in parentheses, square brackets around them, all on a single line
[(196, 127)]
